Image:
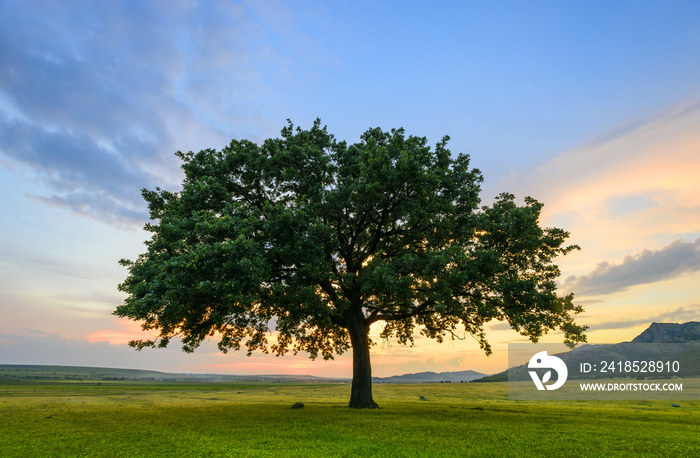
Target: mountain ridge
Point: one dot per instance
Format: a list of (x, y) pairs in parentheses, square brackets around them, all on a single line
[(658, 333), (670, 333), (431, 377)]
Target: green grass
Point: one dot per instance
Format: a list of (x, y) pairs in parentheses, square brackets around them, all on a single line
[(160, 419)]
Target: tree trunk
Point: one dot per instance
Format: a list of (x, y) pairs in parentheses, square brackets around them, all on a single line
[(361, 392)]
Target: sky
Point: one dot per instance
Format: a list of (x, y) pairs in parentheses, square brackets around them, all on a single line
[(592, 108)]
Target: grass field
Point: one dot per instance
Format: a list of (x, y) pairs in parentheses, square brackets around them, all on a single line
[(112, 418)]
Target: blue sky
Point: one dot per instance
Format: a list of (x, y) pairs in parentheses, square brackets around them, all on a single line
[(591, 107)]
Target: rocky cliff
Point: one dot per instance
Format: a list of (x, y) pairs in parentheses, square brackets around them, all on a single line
[(670, 333)]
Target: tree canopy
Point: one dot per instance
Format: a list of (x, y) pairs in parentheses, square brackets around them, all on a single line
[(303, 242)]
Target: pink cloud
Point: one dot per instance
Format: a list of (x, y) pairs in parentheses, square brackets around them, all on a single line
[(129, 331)]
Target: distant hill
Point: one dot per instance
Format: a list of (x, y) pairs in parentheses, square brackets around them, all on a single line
[(666, 333), (80, 373), (19, 372), (656, 333), (431, 377), (670, 333)]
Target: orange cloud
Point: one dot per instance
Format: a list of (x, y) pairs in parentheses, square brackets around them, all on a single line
[(635, 190), (268, 365), (125, 332)]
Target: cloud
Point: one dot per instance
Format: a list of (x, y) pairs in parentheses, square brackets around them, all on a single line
[(681, 314), (81, 174), (95, 97), (36, 347), (634, 188), (648, 266), (51, 349), (501, 326), (128, 331), (80, 107)]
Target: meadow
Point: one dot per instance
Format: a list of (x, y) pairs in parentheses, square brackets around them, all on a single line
[(133, 418)]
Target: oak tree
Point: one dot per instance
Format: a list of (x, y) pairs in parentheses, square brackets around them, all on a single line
[(303, 242)]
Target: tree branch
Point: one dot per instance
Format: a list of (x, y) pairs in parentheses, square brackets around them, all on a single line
[(388, 315)]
